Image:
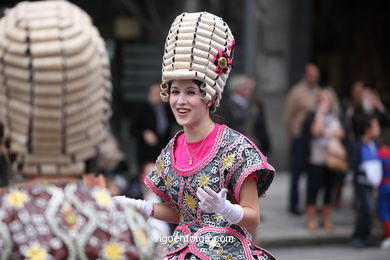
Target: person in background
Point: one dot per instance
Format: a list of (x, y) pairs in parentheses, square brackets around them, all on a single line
[(151, 124), (384, 194), (236, 110), (111, 162), (353, 105), (299, 102), (54, 107), (260, 132), (367, 169), (370, 104), (323, 126)]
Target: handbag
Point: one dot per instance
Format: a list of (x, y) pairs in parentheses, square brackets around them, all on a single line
[(336, 156)]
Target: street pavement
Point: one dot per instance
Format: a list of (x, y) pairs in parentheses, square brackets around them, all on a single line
[(279, 228), (332, 252)]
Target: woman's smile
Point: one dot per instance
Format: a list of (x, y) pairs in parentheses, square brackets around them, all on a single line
[(186, 103), (183, 111)]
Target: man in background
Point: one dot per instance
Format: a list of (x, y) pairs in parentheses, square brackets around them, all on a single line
[(300, 100)]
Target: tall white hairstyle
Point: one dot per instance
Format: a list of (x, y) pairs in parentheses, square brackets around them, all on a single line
[(199, 46), (55, 87)]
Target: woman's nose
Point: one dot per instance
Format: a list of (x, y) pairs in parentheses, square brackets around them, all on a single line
[(182, 98)]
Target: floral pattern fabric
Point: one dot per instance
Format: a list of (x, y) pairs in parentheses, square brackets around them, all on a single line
[(201, 235), (70, 221)]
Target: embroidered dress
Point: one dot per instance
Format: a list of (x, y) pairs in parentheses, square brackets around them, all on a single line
[(70, 221), (199, 235)]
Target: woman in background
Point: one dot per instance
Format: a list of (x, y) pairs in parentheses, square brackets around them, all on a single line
[(324, 126)]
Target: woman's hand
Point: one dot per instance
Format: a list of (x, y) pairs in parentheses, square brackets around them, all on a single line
[(146, 207), (150, 137), (212, 202)]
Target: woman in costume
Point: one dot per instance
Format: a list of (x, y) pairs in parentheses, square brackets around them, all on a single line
[(54, 107), (209, 175)]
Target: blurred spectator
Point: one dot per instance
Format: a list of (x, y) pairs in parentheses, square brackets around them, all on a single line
[(353, 105), (299, 102), (384, 195), (323, 127), (112, 163), (261, 134), (370, 104), (236, 110), (367, 174), (151, 125)]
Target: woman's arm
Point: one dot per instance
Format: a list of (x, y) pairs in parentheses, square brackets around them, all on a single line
[(317, 128), (165, 212), (338, 134), (249, 201)]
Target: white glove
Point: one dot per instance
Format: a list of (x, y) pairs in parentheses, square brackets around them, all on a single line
[(146, 207), (212, 202)]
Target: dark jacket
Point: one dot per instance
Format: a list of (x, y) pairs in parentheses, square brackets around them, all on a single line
[(144, 117)]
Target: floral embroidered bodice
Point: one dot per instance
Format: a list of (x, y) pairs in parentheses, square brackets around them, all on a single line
[(231, 160)]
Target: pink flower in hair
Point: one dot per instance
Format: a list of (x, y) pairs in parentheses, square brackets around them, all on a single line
[(223, 60)]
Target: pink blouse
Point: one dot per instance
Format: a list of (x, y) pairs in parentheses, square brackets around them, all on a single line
[(198, 150)]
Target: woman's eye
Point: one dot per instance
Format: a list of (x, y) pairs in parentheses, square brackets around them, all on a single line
[(191, 93), (174, 92)]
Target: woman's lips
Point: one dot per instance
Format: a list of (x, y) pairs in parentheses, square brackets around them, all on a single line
[(183, 111)]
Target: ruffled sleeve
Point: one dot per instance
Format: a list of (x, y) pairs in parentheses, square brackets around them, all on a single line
[(247, 159)]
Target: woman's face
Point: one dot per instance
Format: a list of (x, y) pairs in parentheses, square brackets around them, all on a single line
[(325, 100), (187, 106)]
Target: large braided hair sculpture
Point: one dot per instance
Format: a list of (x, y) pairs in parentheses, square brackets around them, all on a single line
[(54, 106), (54, 87), (199, 46)]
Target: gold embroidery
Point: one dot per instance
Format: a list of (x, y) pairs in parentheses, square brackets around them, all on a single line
[(190, 201), (218, 217), (113, 251), (36, 252), (102, 198), (212, 243), (160, 166), (169, 180), (204, 181), (174, 241), (17, 198), (228, 161)]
